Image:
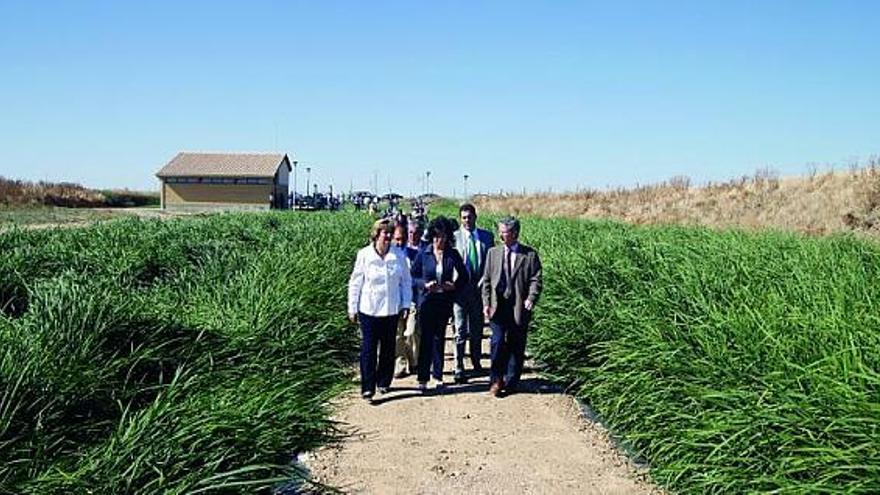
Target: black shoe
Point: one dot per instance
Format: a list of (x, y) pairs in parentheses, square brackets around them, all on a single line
[(497, 387), (367, 396), (384, 390), (459, 378)]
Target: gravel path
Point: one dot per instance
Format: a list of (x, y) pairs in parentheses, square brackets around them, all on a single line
[(465, 441)]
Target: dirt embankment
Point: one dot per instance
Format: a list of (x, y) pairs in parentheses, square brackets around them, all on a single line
[(821, 203)]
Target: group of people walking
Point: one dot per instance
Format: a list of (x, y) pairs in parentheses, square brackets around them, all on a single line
[(411, 279)]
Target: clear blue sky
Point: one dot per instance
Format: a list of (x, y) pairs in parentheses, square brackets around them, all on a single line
[(536, 95)]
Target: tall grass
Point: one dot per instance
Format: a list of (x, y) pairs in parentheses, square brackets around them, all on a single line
[(192, 356), (731, 362), (170, 357)]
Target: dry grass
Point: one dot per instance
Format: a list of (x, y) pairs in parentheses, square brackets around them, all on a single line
[(21, 193), (25, 193), (821, 203)]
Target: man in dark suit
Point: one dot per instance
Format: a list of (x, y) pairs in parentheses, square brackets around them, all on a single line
[(511, 287), (472, 244)]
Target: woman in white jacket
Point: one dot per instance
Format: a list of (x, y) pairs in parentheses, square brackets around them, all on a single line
[(379, 291)]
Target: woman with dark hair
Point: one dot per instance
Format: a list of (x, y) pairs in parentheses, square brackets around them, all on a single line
[(379, 292), (438, 273)]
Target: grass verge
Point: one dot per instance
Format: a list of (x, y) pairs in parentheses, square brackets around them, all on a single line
[(172, 356), (732, 362)]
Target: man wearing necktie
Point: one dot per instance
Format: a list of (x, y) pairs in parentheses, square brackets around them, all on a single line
[(511, 287), (473, 244)]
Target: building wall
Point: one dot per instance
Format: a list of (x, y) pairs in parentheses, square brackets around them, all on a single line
[(283, 175), (183, 195), (282, 178), (280, 196)]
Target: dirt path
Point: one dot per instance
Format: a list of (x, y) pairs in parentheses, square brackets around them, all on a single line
[(465, 441), (84, 217)]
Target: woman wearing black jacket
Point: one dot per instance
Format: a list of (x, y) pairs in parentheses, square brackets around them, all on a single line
[(438, 273)]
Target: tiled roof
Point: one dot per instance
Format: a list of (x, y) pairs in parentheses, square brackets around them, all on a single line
[(223, 165)]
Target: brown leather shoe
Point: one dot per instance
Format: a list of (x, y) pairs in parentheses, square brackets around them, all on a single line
[(496, 387)]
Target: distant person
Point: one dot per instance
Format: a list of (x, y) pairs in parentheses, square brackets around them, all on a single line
[(418, 232), (472, 244), (511, 286), (406, 219), (412, 332), (407, 338), (379, 292), (438, 273)]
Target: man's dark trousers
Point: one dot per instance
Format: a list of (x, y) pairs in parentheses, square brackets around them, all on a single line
[(508, 346)]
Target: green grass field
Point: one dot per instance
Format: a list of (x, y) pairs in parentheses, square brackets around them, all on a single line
[(173, 356), (199, 354), (731, 362)]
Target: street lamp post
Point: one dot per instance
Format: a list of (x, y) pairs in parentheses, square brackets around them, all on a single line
[(428, 182), (465, 186), (294, 184), (308, 178)]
